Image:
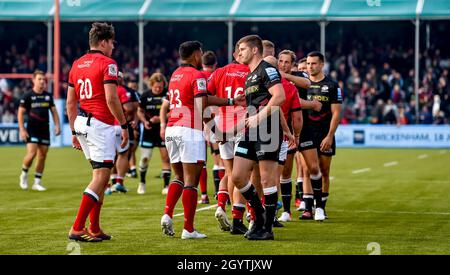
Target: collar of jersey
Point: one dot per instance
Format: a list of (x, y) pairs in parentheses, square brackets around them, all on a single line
[(96, 51), (187, 65)]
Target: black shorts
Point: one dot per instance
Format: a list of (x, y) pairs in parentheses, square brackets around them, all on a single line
[(260, 150), (151, 138), (39, 136), (311, 138)]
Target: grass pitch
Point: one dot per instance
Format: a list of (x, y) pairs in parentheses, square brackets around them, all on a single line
[(398, 199)]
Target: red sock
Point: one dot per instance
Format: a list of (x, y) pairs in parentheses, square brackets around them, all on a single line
[(94, 217), (221, 173), (203, 179), (222, 198), (173, 195), (238, 212), (263, 200), (119, 180), (190, 205), (87, 203)]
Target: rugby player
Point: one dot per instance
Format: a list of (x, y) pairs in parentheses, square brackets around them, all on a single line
[(36, 105), (93, 86), (268, 48)]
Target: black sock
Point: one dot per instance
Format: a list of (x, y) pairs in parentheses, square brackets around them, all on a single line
[(324, 199), (38, 175), (299, 188), (255, 202), (143, 173), (166, 174), (309, 201), (271, 208), (286, 194), (316, 183), (25, 169), (216, 179)]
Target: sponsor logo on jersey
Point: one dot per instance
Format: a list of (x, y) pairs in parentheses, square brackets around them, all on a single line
[(318, 97), (176, 77), (112, 70), (324, 89), (251, 89), (201, 84), (237, 74), (86, 64), (272, 73), (260, 153)]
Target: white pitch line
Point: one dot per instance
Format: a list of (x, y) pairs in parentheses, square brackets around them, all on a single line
[(393, 212), (422, 156), (389, 164), (198, 210), (364, 170)]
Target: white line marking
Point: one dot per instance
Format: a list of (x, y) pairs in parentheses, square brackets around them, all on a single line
[(422, 156), (364, 170), (198, 210), (389, 164), (392, 212)]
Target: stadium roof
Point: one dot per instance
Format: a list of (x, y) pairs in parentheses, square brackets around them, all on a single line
[(214, 10)]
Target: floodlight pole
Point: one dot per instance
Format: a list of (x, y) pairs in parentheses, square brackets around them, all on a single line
[(56, 53), (49, 54), (323, 24), (141, 25), (230, 41), (416, 67)]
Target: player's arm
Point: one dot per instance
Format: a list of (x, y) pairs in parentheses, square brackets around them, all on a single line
[(311, 104), (71, 106), (297, 124), (115, 107), (56, 120), (200, 103), (277, 99), (165, 106), (141, 117), (335, 119), (299, 81), (20, 118)]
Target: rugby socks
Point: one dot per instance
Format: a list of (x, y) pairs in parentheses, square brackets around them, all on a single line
[(132, 171), (324, 199), (94, 218), (203, 179), (113, 178), (316, 183), (249, 193), (286, 194), (271, 199), (221, 173), (37, 178), (119, 180), (216, 177), (189, 200), (88, 201), (166, 174), (222, 198), (24, 171), (309, 201), (299, 188), (173, 195), (238, 211), (251, 212), (143, 170)]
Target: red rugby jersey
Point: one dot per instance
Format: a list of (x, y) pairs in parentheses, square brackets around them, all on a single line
[(292, 102), (87, 76), (185, 84)]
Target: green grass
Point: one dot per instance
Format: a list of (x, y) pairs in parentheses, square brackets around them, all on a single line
[(405, 208)]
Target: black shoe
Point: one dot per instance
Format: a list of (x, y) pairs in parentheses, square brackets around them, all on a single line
[(255, 227), (261, 235), (276, 223), (238, 228)]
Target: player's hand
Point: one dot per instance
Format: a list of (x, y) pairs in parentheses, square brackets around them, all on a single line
[(317, 105), (154, 119), (57, 130), (292, 142), (283, 74), (147, 125), (124, 138), (75, 143), (24, 134), (133, 124), (325, 145), (251, 122), (239, 100)]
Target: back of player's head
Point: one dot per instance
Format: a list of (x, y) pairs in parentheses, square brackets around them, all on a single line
[(303, 60), (317, 54), (157, 77), (252, 41), (100, 31), (38, 72), (188, 48), (268, 44), (290, 53), (271, 60), (209, 58)]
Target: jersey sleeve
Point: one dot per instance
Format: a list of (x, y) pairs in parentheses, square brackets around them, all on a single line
[(199, 85), (123, 97), (25, 101), (52, 102), (110, 72), (142, 101), (270, 76), (296, 105), (71, 80), (336, 94)]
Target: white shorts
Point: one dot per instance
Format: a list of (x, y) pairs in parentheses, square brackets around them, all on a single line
[(228, 148), (185, 145), (283, 152), (120, 150), (97, 140)]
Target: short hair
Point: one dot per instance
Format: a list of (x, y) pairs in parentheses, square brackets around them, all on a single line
[(188, 48), (99, 32), (157, 77), (290, 53), (303, 60), (38, 72), (268, 43), (317, 54), (253, 41), (209, 58)]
